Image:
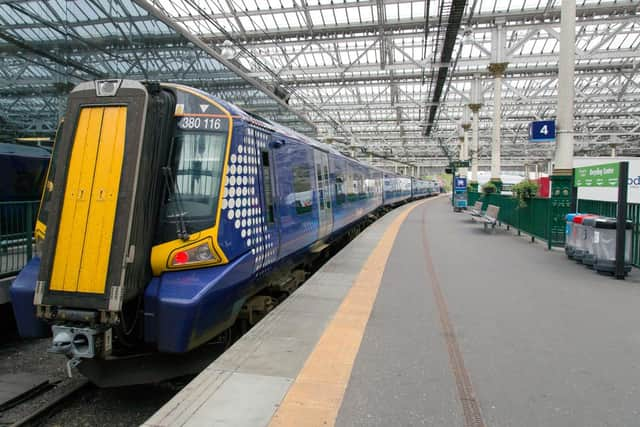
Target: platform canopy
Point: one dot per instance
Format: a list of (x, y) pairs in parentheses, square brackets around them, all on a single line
[(385, 80)]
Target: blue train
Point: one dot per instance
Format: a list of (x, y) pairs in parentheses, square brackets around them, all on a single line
[(22, 171), (169, 213)]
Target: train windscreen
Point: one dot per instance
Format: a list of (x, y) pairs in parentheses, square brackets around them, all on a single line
[(195, 171)]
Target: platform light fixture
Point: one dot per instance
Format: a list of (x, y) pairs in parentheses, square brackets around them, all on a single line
[(229, 51)]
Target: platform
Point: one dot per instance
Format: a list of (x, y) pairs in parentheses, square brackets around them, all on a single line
[(425, 319)]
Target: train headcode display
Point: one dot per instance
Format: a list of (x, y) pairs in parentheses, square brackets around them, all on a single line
[(196, 113), (542, 131), (203, 123)]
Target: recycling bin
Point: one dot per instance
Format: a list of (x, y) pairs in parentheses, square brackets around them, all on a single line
[(604, 245), (570, 238), (588, 256), (580, 236)]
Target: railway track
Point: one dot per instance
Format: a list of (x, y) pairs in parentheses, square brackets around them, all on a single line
[(60, 396)]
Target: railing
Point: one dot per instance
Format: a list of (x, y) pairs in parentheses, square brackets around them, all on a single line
[(472, 198), (533, 219), (610, 209), (17, 221)]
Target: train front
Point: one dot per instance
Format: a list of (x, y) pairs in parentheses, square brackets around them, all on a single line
[(133, 191)]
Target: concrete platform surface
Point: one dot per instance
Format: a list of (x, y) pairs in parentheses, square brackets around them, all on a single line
[(544, 341)]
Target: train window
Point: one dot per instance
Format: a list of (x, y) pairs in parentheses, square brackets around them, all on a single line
[(359, 186), (302, 189), (326, 185), (268, 187), (197, 161), (320, 182), (350, 184), (340, 196)]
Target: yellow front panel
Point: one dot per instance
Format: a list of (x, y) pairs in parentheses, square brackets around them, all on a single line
[(76, 202), (89, 206), (104, 198)]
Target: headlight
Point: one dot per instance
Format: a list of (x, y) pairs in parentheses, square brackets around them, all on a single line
[(197, 254), (107, 87)]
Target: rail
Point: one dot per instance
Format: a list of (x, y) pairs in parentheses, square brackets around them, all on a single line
[(17, 222), (534, 219)]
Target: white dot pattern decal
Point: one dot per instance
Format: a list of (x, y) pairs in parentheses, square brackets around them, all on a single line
[(239, 197)]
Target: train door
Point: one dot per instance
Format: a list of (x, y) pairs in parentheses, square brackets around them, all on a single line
[(269, 237), (89, 209), (324, 194)]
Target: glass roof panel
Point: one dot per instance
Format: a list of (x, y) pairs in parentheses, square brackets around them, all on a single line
[(340, 67)]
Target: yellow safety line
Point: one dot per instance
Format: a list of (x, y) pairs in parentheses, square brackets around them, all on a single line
[(316, 395)]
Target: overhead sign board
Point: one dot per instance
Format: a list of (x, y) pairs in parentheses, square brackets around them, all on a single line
[(459, 164), (542, 131), (605, 175)]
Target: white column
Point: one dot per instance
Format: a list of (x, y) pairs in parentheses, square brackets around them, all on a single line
[(465, 124), (497, 124), (566, 92), (474, 106), (475, 145), (497, 67), (465, 143)]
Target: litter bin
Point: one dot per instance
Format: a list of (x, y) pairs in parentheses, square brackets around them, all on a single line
[(570, 237), (580, 236), (588, 257), (604, 245)]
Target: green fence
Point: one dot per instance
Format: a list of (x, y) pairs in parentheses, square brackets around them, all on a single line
[(472, 198), (532, 219), (610, 209), (17, 221)]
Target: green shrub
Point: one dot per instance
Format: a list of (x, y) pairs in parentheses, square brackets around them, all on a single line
[(489, 188), (524, 190)]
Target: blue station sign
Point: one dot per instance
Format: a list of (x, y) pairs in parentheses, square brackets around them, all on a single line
[(542, 131), (460, 184)]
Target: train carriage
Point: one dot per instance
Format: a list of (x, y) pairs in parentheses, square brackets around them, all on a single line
[(166, 210)]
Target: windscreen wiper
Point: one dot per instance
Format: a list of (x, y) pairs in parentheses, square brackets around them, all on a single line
[(181, 225)]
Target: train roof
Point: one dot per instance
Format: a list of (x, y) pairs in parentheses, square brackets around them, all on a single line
[(257, 120), (250, 117), (19, 150)]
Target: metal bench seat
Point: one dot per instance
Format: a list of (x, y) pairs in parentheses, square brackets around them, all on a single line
[(490, 217), (476, 210)]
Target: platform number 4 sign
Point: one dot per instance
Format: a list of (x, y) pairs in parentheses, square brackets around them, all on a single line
[(542, 131)]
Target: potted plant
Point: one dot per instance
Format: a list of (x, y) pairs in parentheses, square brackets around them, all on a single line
[(524, 190), (489, 188)]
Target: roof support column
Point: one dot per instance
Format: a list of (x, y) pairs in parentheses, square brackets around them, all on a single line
[(474, 106), (465, 124), (566, 90), (497, 67), (562, 170)]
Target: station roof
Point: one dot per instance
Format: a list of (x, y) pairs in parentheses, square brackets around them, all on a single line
[(384, 78)]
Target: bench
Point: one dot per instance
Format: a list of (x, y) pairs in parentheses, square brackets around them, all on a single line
[(476, 210), (490, 217)]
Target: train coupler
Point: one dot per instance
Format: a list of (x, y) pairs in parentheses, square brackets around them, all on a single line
[(81, 342)]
